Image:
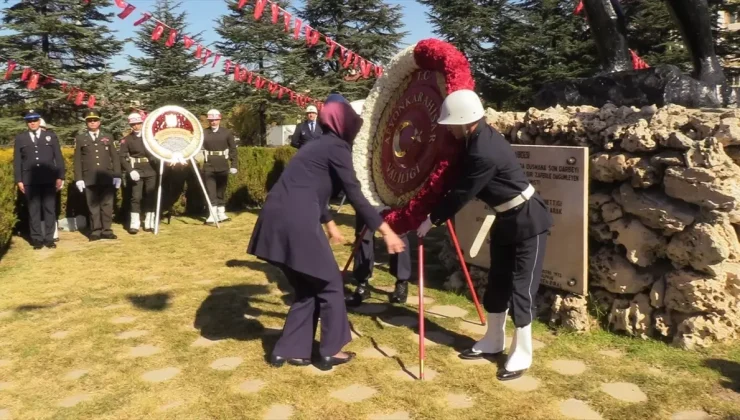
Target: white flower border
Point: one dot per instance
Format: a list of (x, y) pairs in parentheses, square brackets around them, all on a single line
[(400, 67)]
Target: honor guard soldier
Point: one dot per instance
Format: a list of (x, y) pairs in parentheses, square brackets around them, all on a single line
[(140, 166), (98, 175), (307, 130), (219, 160), (518, 234), (39, 174)]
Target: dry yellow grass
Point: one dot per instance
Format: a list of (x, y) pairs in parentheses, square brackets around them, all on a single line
[(191, 296)]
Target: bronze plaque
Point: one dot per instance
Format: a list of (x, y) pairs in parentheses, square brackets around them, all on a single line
[(560, 175)]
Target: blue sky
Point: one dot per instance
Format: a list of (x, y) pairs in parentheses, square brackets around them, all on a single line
[(203, 13)]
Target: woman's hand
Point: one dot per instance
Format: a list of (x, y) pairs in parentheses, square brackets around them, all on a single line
[(335, 236), (392, 241)]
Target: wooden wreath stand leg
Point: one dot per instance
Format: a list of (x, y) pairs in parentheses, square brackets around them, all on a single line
[(464, 267), (420, 257)]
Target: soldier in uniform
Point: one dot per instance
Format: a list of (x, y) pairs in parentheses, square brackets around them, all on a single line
[(39, 174), (97, 174), (140, 166), (56, 223), (307, 130), (492, 173), (220, 160)]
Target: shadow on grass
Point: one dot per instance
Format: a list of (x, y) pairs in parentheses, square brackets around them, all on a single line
[(729, 369), (153, 302), (274, 275)]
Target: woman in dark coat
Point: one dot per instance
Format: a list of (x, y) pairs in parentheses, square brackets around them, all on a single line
[(288, 234)]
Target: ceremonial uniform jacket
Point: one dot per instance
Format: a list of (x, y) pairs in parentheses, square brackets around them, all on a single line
[(303, 134), (132, 148), (220, 141), (37, 161), (492, 173), (96, 161)]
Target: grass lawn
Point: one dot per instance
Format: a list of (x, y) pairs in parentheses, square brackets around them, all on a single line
[(177, 326)]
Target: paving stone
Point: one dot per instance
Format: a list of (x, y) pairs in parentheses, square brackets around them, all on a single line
[(413, 300), (447, 311), (171, 405), (132, 334), (353, 393), (691, 415), (412, 373), (374, 353), (482, 361), (279, 412), (523, 384), (113, 307), (59, 335), (75, 374), (568, 367), (473, 327), (74, 400), (123, 320), (536, 344), (272, 331), (400, 321), (370, 308), (144, 350), (5, 414), (203, 342), (4, 363), (398, 415), (4, 386), (226, 363), (160, 375), (577, 409), (6, 314), (434, 338), (624, 391), (313, 370), (459, 401), (251, 386), (611, 353)]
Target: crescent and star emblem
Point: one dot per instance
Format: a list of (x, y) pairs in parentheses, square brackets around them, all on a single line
[(398, 150)]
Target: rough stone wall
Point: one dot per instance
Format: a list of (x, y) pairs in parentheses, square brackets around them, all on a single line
[(664, 207)]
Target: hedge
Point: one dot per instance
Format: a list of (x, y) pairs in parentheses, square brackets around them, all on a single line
[(259, 169)]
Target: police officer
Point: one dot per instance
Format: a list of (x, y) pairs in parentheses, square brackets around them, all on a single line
[(140, 166), (518, 235), (219, 149), (307, 130), (39, 174), (56, 222), (98, 174)]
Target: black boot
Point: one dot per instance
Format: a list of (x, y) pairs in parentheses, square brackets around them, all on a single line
[(361, 293), (401, 293)]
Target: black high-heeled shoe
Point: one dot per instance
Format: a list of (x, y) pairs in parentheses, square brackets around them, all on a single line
[(279, 361), (328, 362)]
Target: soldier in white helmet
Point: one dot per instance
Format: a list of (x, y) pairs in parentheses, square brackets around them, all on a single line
[(307, 130), (491, 172), (141, 168), (219, 160)]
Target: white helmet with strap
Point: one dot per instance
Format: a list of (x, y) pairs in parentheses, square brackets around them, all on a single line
[(461, 107), (214, 114), (135, 118)]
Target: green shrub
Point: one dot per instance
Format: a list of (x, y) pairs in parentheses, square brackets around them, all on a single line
[(259, 169)]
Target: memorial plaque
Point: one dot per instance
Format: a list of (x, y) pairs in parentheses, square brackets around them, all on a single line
[(560, 175)]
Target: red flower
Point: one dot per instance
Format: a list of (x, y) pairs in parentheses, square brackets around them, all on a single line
[(436, 55)]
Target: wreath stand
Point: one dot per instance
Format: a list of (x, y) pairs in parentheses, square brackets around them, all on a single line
[(202, 186), (420, 258)]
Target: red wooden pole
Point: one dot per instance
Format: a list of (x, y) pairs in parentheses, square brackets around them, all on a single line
[(421, 309), (464, 266), (354, 249)]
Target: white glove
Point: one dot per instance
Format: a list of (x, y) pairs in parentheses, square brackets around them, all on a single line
[(424, 228), (134, 176), (233, 171), (117, 182), (80, 185), (62, 186)]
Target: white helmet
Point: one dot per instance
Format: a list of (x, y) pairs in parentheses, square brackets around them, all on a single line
[(358, 106), (214, 114), (311, 109), (461, 107), (42, 123), (135, 118)]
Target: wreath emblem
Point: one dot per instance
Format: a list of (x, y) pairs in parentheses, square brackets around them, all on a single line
[(404, 160), (172, 133)]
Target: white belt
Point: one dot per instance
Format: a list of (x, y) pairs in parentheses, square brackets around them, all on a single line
[(139, 160), (224, 153), (489, 219)]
